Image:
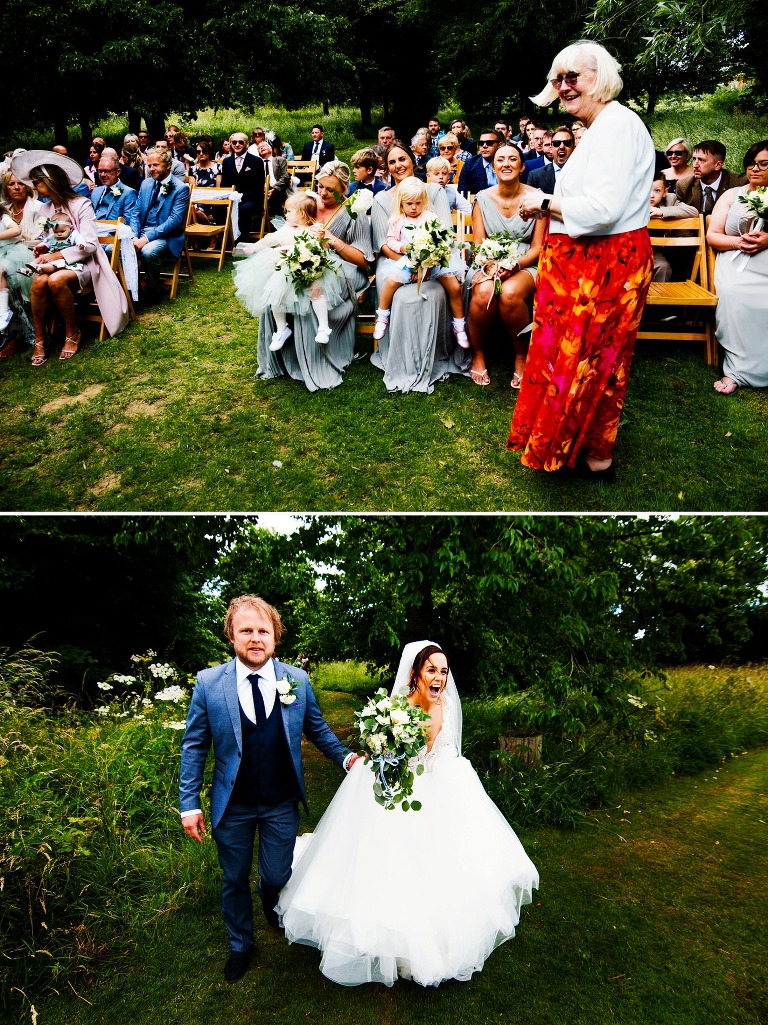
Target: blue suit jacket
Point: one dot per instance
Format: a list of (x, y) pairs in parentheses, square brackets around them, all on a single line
[(473, 178), (327, 152), (543, 178), (125, 206), (214, 719), (173, 214)]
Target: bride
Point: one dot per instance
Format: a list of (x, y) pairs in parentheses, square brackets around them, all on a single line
[(426, 895)]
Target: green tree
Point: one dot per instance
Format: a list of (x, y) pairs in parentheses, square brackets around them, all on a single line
[(99, 589)]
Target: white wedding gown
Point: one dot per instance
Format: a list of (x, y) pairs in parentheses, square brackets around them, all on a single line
[(426, 895)]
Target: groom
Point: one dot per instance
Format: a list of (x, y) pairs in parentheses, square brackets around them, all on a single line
[(253, 710)]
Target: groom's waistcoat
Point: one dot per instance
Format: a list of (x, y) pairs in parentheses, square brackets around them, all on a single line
[(266, 775)]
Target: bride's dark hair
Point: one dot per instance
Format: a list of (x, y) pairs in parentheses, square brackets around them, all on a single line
[(420, 661)]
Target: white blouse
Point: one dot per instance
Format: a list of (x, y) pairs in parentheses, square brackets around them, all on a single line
[(605, 186)]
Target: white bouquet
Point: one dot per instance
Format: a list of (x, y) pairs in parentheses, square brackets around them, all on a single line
[(389, 731), (304, 260), (429, 245), (756, 200), (496, 253)]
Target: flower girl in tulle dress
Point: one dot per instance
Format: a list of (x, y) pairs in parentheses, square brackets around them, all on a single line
[(268, 277)]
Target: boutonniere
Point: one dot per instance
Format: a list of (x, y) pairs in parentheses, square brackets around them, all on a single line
[(166, 187), (116, 189), (285, 689)]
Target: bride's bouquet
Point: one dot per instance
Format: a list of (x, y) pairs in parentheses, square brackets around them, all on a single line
[(429, 245), (304, 260), (389, 731), (498, 252)]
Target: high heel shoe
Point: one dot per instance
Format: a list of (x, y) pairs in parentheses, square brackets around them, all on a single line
[(72, 340), (584, 470), (38, 356)]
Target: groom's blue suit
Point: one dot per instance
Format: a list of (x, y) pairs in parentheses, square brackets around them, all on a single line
[(265, 793)]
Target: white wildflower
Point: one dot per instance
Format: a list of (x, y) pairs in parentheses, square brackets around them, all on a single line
[(173, 693), (105, 686)]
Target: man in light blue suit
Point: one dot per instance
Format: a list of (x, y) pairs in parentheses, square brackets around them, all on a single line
[(253, 711), (163, 204), (112, 199)]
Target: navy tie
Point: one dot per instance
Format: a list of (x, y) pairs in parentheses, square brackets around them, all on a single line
[(258, 701)]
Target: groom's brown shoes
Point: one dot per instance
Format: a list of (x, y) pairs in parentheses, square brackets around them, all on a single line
[(237, 965)]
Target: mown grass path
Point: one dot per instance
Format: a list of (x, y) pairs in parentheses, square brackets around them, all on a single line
[(653, 913)]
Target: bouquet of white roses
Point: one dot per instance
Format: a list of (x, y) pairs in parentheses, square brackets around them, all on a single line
[(304, 260), (498, 252), (756, 200), (389, 731), (429, 245)]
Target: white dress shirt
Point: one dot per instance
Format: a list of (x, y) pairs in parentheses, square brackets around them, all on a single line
[(267, 686)]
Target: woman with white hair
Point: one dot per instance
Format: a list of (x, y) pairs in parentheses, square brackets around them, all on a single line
[(678, 153), (595, 269)]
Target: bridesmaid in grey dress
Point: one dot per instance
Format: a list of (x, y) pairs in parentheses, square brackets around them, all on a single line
[(302, 358), (495, 211), (418, 350), (741, 279)]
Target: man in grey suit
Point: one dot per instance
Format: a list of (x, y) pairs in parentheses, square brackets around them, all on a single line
[(253, 711)]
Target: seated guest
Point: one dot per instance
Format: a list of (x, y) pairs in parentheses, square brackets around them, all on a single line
[(498, 210), (88, 263), (420, 150), (678, 154), (113, 198), (521, 136), (92, 163), (131, 163), (439, 173), (435, 135), (318, 149), (178, 168), (224, 150), (504, 128), (466, 143), (535, 157), (662, 268), (18, 199), (182, 150), (697, 193), (280, 181), (478, 174), (143, 138), (544, 178), (258, 135), (448, 147), (386, 137), (578, 128), (246, 173), (163, 203), (207, 174), (741, 278), (365, 164)]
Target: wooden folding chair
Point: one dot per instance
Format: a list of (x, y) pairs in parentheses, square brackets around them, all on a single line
[(86, 307), (695, 293), (172, 277), (221, 233), (304, 171), (111, 233)]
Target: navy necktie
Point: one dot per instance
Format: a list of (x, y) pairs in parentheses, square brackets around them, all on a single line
[(258, 701)]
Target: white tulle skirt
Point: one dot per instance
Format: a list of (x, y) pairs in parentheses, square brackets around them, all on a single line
[(424, 895)]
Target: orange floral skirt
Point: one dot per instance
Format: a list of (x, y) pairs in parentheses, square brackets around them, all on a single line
[(589, 299)]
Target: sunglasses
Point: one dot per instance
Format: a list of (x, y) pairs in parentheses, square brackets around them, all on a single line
[(557, 143), (675, 153), (450, 147), (239, 142), (570, 78), (486, 142)]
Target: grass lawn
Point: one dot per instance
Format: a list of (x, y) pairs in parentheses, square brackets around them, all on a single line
[(169, 417), (650, 914)]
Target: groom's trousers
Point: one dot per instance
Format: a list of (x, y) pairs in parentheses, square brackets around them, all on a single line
[(235, 837)]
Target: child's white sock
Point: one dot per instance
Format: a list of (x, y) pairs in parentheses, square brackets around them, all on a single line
[(320, 306), (282, 333), (459, 329), (5, 314), (382, 323)]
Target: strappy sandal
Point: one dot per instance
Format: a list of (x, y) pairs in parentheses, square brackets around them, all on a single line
[(38, 356), (74, 340), (480, 377)]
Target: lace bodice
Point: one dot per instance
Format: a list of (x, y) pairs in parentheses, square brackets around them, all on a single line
[(444, 743)]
